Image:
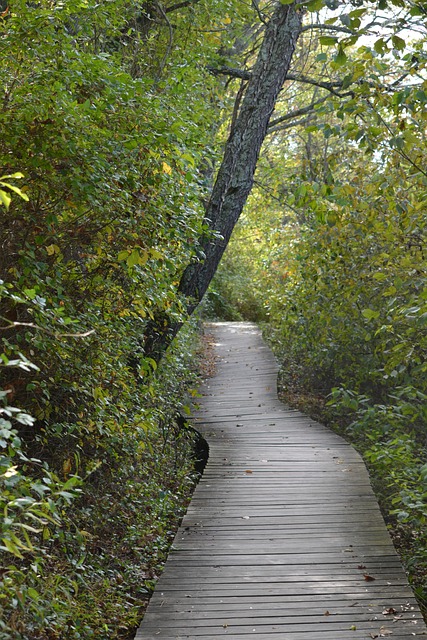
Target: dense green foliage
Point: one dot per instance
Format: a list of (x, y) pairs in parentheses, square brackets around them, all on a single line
[(107, 125), (332, 247)]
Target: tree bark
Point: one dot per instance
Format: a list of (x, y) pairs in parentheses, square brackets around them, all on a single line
[(236, 173)]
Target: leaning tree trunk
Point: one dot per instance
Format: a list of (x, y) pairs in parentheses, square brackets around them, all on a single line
[(235, 176)]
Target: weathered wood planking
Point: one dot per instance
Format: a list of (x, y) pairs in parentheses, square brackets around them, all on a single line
[(283, 539)]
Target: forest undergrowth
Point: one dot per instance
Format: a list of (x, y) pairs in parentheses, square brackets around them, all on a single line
[(92, 562)]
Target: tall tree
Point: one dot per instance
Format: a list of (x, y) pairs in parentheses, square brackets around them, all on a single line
[(235, 176)]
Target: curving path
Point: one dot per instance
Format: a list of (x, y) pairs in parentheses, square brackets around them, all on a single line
[(283, 539)]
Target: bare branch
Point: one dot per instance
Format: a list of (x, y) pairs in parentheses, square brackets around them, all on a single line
[(329, 27)]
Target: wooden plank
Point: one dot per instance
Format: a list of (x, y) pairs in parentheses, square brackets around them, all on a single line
[(269, 623), (310, 614), (283, 527), (164, 601)]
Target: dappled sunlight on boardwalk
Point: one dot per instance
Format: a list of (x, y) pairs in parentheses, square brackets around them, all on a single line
[(283, 539)]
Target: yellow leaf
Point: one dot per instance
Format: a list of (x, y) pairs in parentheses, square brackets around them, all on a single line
[(166, 168), (52, 249)]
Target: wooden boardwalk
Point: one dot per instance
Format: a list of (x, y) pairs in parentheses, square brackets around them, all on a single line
[(283, 539)]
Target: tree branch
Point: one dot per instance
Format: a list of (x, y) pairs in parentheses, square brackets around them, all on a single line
[(247, 75), (229, 71), (169, 48), (290, 125), (329, 86), (297, 112), (329, 27), (180, 5), (255, 5)]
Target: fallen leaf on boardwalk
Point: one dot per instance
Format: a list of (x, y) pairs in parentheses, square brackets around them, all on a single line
[(248, 471), (361, 566), (368, 578), (225, 625), (326, 613), (385, 632), (353, 627), (389, 612)]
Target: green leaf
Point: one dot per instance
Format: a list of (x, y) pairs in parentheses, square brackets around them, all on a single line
[(9, 546), (380, 46), (15, 189), (315, 5), (6, 200), (357, 13), (370, 314), (341, 57), (17, 175), (391, 291), (123, 255), (398, 43), (380, 276), (156, 254), (133, 258), (152, 363), (397, 143), (328, 41), (137, 258), (421, 96)]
